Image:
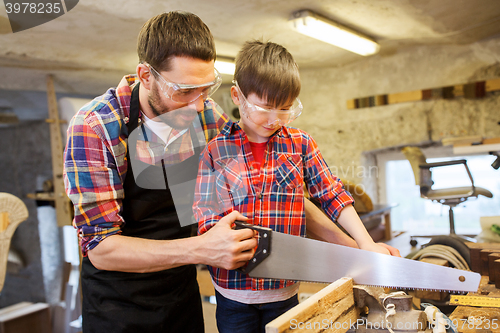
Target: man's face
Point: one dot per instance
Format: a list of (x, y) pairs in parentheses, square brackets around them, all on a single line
[(184, 71)]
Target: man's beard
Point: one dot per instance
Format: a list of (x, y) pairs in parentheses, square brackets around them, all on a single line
[(168, 116)]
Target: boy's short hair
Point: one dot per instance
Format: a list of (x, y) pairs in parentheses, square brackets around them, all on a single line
[(174, 34), (269, 71)]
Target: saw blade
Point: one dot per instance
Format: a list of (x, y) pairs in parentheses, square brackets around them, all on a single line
[(303, 259)]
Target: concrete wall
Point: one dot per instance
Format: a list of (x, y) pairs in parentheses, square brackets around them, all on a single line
[(344, 136)]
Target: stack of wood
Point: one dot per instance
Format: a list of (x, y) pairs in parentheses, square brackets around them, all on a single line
[(485, 259)]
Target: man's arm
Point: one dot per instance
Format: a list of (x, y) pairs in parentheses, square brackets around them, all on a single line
[(221, 247)]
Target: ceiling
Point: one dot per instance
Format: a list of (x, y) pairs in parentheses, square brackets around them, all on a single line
[(91, 47)]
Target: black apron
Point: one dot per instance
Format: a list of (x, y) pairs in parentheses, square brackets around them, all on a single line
[(165, 301)]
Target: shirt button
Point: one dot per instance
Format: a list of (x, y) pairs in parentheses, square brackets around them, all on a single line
[(259, 195), (289, 158), (251, 167)]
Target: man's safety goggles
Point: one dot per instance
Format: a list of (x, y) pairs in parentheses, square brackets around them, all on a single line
[(261, 115), (187, 93)]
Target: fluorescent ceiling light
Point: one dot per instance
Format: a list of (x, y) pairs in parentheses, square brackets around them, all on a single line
[(225, 66), (315, 26)]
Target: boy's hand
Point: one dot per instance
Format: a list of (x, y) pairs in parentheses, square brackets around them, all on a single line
[(375, 248), (225, 247), (393, 251)]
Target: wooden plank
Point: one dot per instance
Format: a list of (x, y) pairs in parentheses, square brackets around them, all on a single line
[(475, 253), (493, 85), (490, 319), (351, 104), (491, 141), (458, 90), (408, 96), (63, 208), (332, 308), (429, 294), (26, 318), (492, 270), (462, 140), (484, 260)]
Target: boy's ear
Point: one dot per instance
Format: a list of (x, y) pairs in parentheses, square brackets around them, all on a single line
[(144, 75), (234, 95)]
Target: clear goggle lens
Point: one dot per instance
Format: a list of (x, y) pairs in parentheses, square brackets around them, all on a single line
[(269, 117), (187, 93)]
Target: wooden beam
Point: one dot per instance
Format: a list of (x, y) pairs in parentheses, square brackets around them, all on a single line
[(471, 90), (63, 208), (332, 308)]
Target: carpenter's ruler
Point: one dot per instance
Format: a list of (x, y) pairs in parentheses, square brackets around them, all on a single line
[(482, 301)]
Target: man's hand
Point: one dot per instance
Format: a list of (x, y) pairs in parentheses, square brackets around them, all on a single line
[(225, 247)]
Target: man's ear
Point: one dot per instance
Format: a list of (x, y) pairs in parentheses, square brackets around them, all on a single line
[(234, 95), (144, 75)]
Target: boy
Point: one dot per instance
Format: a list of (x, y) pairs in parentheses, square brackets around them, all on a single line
[(257, 167)]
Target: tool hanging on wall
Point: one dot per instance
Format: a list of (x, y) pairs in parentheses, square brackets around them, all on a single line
[(12, 212)]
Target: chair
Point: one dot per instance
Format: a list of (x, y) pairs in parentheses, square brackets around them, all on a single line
[(448, 196)]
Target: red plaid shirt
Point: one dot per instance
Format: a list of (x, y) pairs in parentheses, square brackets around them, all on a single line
[(272, 197)]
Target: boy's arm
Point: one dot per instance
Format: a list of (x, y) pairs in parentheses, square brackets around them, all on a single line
[(320, 227), (351, 222), (335, 200)]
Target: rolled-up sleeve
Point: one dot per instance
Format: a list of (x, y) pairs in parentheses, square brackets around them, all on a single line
[(322, 183), (93, 182)]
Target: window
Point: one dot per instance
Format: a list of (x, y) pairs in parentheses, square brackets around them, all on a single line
[(422, 216)]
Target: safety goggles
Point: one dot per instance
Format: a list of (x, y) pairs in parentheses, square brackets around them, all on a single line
[(269, 117), (187, 93)]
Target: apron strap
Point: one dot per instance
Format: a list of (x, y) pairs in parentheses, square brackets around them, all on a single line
[(134, 109)]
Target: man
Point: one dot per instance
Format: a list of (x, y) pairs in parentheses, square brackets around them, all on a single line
[(127, 151)]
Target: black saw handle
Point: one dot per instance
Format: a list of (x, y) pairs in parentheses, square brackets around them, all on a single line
[(263, 249)]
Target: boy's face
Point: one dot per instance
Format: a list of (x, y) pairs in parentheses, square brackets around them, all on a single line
[(260, 125)]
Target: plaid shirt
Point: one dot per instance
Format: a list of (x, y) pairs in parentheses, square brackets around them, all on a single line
[(95, 163), (272, 197)]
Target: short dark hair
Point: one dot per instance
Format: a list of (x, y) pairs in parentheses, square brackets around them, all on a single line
[(269, 71), (176, 33)]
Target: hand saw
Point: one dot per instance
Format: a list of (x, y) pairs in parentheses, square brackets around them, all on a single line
[(288, 257)]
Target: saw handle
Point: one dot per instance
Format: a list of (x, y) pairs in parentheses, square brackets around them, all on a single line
[(263, 248)]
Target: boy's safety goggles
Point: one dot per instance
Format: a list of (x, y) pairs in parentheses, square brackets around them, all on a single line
[(187, 93), (263, 116)]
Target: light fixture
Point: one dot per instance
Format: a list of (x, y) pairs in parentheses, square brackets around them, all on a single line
[(316, 26), (225, 66)]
